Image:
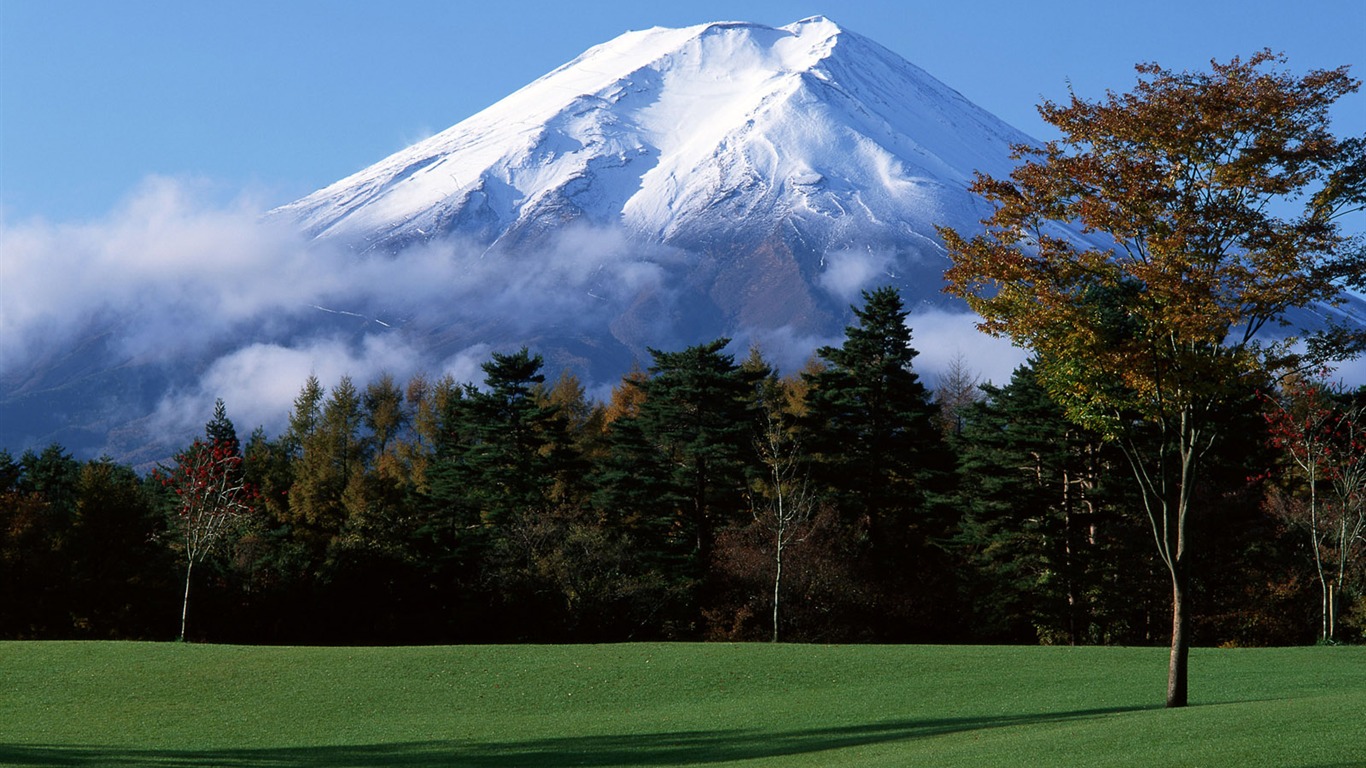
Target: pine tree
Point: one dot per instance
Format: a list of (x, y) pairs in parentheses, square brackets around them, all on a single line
[(880, 459), (679, 448), (872, 424), (1031, 488), (507, 465), (700, 413)]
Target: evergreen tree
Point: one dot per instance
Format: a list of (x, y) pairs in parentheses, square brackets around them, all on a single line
[(507, 465), (427, 406), (1032, 512), (883, 463), (871, 418), (378, 497), (220, 430), (679, 448), (383, 414), (699, 414), (500, 462)]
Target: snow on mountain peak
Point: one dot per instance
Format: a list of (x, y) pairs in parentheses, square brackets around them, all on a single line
[(673, 133)]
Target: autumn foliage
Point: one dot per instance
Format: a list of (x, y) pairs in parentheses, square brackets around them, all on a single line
[(212, 498), (1321, 432), (1151, 322), (850, 501)]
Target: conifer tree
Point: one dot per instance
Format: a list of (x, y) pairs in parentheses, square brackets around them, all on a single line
[(871, 422), (699, 413), (333, 456), (507, 465), (303, 419), (220, 430), (1030, 481), (679, 447)]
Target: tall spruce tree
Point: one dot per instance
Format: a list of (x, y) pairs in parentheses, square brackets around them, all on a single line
[(871, 421), (879, 454)]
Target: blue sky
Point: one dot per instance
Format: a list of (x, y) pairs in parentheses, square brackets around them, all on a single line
[(271, 99)]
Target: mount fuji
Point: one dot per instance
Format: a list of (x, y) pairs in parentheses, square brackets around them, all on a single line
[(696, 137), (761, 177)]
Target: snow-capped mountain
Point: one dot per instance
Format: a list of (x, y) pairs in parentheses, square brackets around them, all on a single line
[(690, 137), (663, 189), (781, 168)]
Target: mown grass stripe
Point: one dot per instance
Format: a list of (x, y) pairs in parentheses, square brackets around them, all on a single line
[(125, 704)]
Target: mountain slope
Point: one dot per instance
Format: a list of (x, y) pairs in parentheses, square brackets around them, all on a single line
[(688, 136), (768, 174)]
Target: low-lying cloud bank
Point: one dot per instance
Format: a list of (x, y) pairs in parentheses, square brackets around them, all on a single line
[(222, 301), (230, 304)]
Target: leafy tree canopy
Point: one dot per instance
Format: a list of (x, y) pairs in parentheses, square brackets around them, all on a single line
[(1184, 177)]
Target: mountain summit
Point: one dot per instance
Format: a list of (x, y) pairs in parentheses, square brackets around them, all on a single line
[(770, 174), (663, 189), (691, 137)]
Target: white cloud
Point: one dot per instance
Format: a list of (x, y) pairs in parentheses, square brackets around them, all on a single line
[(227, 303), (258, 383), (466, 366), (942, 336), (785, 349), (168, 274), (847, 273)]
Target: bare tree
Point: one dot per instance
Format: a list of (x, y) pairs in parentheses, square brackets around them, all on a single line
[(956, 390), (213, 499), (787, 503)]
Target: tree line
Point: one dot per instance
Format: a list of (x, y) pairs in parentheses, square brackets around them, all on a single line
[(706, 499)]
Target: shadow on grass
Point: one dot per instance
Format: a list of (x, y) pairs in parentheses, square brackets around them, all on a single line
[(653, 749)]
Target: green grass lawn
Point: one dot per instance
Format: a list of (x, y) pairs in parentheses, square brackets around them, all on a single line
[(125, 704)]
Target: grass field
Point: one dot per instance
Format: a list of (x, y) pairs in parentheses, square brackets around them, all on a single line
[(127, 704)]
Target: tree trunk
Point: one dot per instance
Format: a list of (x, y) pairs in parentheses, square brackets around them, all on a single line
[(777, 582), (1332, 611), (185, 604), (1177, 666)]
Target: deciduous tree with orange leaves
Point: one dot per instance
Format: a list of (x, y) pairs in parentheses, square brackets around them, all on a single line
[(1209, 203)]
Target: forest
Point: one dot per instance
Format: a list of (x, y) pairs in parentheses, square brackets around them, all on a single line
[(707, 499)]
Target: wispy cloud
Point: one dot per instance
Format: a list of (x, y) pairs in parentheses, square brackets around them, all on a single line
[(227, 303), (845, 274), (941, 337), (220, 301)]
